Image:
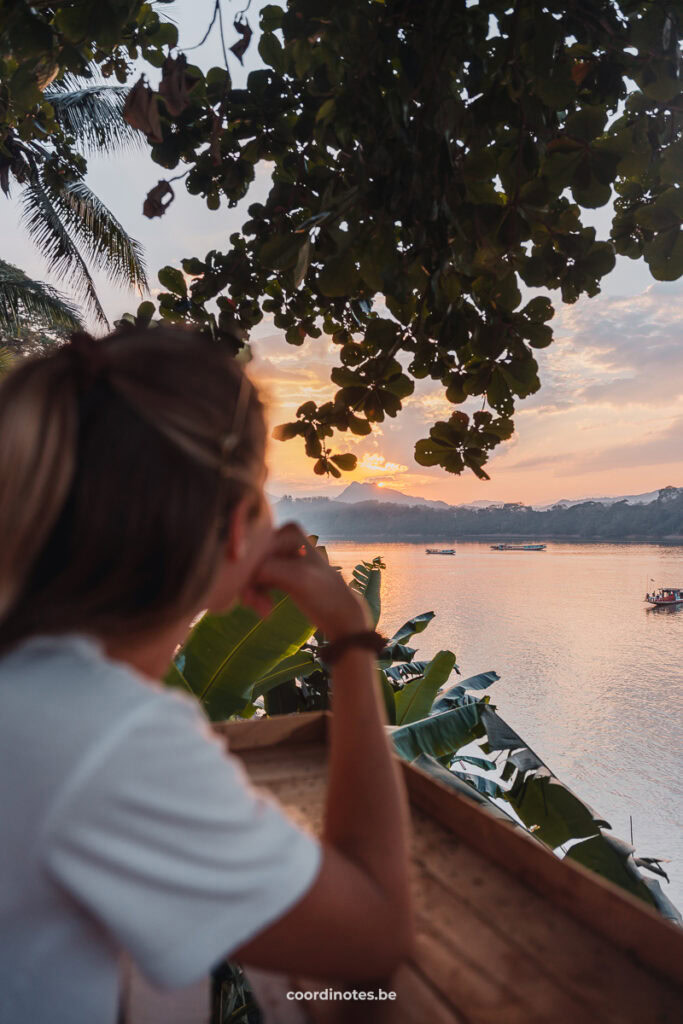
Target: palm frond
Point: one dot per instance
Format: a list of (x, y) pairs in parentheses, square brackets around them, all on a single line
[(47, 230), (93, 114), (6, 360), (22, 299), (103, 239)]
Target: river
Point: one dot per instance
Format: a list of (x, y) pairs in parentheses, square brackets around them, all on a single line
[(591, 677)]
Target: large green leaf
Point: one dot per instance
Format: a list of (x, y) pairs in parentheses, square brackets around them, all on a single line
[(415, 625), (388, 697), (557, 814), (396, 652), (487, 787), (225, 655), (396, 649), (453, 696), (438, 735), (415, 700), (478, 762), (176, 680), (499, 734), (367, 578), (405, 671), (437, 771), (613, 859), (297, 666)]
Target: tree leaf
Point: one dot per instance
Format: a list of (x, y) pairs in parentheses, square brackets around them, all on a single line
[(172, 278), (437, 735), (366, 581), (226, 655), (415, 699)]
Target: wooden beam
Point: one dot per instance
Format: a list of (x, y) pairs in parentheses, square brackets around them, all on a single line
[(604, 908)]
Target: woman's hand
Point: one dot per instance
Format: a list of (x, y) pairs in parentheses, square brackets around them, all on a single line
[(292, 565)]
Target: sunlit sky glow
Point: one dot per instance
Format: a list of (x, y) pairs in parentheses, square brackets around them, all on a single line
[(609, 416)]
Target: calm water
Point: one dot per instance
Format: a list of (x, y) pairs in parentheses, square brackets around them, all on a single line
[(590, 677)]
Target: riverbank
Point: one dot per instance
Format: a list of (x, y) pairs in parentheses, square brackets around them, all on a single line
[(675, 540), (658, 522)]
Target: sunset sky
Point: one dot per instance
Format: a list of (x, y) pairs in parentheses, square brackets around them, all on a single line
[(608, 418)]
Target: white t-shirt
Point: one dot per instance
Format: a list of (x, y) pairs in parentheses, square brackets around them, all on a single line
[(124, 825)]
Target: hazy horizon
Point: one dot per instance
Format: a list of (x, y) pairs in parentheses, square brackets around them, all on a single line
[(333, 491), (608, 419)]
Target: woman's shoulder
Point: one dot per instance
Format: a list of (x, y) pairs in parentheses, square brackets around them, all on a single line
[(63, 693)]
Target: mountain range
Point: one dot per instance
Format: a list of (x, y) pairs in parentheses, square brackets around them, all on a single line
[(356, 492)]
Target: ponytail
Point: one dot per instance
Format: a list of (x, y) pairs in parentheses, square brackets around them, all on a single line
[(121, 462), (38, 438)]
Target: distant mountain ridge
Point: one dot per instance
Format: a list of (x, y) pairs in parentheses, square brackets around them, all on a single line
[(404, 520), (633, 499), (357, 492)]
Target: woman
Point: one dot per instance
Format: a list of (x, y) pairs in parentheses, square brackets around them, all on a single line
[(131, 476)]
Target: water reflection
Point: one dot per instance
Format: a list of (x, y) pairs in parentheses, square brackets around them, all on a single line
[(591, 676)]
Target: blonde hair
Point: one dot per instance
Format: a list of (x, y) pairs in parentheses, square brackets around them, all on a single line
[(120, 463)]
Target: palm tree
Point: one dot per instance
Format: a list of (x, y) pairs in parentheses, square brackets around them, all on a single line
[(71, 225), (23, 299), (33, 315)]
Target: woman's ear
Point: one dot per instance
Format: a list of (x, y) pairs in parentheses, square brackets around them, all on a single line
[(235, 547), (246, 542)]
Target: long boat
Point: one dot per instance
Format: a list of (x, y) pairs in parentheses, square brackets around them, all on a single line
[(665, 597), (518, 547), (440, 551)]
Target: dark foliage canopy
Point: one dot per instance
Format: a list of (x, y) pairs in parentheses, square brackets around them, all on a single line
[(55, 109), (426, 160)]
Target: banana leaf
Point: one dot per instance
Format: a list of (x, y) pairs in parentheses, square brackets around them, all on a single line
[(613, 859), (225, 655), (406, 671), (367, 578), (499, 734), (525, 760), (453, 696), (652, 864), (438, 735), (175, 678), (437, 771), (415, 625), (478, 762), (297, 666), (415, 700), (396, 649), (396, 652), (487, 787), (542, 800), (389, 697)]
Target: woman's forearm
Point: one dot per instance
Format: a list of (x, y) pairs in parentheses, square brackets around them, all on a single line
[(367, 815)]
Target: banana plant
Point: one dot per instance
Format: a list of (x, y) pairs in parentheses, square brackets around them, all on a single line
[(238, 664), (366, 580), (228, 660), (519, 786)]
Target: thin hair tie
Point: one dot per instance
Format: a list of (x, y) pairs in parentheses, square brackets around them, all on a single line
[(230, 440)]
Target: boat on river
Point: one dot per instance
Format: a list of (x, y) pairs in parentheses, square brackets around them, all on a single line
[(440, 551), (666, 597), (518, 547)]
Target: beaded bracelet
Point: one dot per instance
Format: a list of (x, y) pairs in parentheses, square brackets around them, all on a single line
[(369, 640)]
